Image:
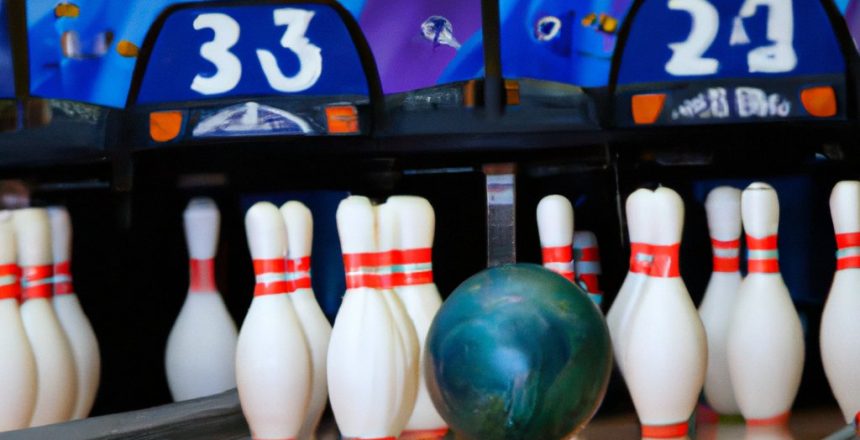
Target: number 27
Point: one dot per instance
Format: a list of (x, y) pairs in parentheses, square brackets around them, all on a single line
[(229, 67)]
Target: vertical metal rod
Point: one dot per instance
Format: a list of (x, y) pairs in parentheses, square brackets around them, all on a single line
[(493, 83), (501, 214)]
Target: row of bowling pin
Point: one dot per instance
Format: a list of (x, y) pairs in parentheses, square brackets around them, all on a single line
[(660, 341), (762, 302), (573, 255), (288, 361), (49, 355)]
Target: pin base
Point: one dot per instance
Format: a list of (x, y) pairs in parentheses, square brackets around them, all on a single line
[(665, 431), (781, 419)]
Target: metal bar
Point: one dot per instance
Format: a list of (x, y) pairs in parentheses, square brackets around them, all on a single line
[(501, 214)]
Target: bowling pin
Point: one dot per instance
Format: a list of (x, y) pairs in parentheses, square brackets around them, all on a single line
[(586, 255), (388, 235), (315, 325), (200, 358), (273, 363), (666, 353), (555, 230), (79, 331), (17, 365), (620, 314), (840, 326), (723, 207), (413, 281), (765, 341), (55, 362), (367, 359)]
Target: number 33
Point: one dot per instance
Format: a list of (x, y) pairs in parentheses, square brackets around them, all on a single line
[(229, 68)]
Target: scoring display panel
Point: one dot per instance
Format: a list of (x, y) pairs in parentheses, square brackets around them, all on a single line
[(252, 51), (707, 61)]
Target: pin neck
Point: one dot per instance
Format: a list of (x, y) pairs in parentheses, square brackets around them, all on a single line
[(37, 282), (726, 255), (665, 264), (202, 276), (848, 253), (10, 285), (559, 259), (665, 431), (271, 277), (640, 258), (762, 254), (389, 269), (299, 273)]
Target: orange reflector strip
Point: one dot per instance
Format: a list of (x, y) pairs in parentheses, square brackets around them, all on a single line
[(819, 101), (470, 91), (589, 19), (512, 92), (342, 119), (647, 108), (165, 126), (127, 49)]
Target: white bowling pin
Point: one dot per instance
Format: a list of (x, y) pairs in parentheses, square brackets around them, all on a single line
[(367, 360), (273, 363), (387, 235), (200, 358), (840, 326), (55, 363), (17, 365), (555, 230), (586, 254), (315, 325), (413, 280), (765, 342), (666, 354), (639, 228), (79, 331), (723, 207)]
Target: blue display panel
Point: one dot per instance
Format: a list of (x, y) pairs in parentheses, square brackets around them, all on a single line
[(252, 51), (569, 41), (7, 68), (422, 43), (86, 50), (685, 40)]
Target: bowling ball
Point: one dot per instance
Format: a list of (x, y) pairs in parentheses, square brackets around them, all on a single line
[(517, 352)]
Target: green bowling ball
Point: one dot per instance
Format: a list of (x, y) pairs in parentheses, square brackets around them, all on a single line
[(517, 352)]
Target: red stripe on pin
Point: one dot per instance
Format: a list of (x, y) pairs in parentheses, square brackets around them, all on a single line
[(202, 278), (665, 264), (36, 282), (588, 254), (848, 263), (412, 278), (665, 431), (778, 420), (640, 254), (557, 254), (850, 239), (730, 244), (425, 434), (727, 264), (412, 256), (591, 283), (12, 290), (274, 268), (762, 244), (763, 266), (63, 279)]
